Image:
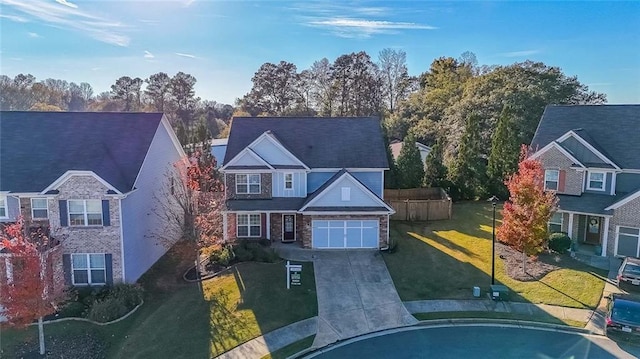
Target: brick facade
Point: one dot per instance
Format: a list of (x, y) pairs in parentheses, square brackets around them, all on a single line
[(265, 187), (553, 159)]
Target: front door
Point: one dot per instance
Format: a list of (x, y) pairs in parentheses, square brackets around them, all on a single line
[(593, 230), (288, 227)]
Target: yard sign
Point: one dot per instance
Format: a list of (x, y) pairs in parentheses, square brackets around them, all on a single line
[(294, 272)]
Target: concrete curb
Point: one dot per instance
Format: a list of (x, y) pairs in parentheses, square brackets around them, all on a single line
[(77, 319), (505, 323)]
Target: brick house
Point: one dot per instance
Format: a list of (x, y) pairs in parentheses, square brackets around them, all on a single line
[(591, 157), (315, 181), (90, 179)]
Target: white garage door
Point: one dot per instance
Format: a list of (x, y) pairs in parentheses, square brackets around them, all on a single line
[(345, 234)]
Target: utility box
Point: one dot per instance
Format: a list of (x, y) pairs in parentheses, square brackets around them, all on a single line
[(499, 292), (476, 292)]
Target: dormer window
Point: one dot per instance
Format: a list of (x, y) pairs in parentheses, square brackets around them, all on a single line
[(248, 183), (551, 178), (288, 181), (596, 181)]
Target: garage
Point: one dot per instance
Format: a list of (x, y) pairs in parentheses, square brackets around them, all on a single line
[(628, 241), (345, 234)]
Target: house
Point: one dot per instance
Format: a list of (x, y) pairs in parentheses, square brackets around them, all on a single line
[(591, 157), (317, 181), (90, 179), (218, 149), (396, 147)]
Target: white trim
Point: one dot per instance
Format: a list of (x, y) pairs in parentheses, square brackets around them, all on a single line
[(72, 173), (85, 213), (225, 224), (557, 146), (629, 170), (604, 181), (586, 144), (570, 228), (626, 234), (557, 189), (613, 184), (6, 207), (549, 223), (358, 184), (269, 135), (267, 227), (605, 237), (624, 201), (351, 169), (295, 234), (121, 239), (586, 213), (250, 152), (249, 184), (284, 177), (343, 213), (172, 135), (248, 225), (88, 269), (46, 207)]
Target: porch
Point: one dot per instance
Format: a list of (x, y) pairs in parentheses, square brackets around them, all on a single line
[(589, 232)]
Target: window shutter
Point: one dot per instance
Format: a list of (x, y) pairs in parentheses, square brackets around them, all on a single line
[(63, 213), (106, 218), (561, 180), (108, 268), (66, 266)]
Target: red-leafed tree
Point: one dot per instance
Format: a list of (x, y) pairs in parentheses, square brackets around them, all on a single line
[(31, 288), (529, 208)]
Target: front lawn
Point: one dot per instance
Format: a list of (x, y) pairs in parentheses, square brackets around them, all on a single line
[(446, 259), (182, 321)]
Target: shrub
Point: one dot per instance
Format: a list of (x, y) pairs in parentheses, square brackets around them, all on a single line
[(559, 242), (222, 256), (243, 254), (129, 294), (107, 309)]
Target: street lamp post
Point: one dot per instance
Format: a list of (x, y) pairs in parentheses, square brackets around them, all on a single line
[(494, 201)]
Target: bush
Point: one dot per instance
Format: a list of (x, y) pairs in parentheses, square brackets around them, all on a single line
[(107, 309), (129, 294), (253, 251), (222, 256), (559, 242), (243, 254)]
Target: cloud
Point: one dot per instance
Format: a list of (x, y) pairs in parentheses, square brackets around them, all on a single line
[(186, 55), (68, 17), (520, 53), (66, 3), (14, 18), (358, 27), (148, 55), (33, 35)]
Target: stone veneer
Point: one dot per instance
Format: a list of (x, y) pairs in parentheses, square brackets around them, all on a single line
[(89, 239), (383, 240), (265, 187), (627, 215), (553, 159)]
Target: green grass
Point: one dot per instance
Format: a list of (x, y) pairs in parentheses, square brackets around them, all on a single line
[(446, 259), (181, 321), (493, 315), (291, 349)]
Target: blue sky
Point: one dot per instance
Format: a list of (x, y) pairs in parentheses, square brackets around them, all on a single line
[(222, 43)]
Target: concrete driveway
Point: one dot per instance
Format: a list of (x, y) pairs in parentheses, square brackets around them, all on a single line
[(355, 295)]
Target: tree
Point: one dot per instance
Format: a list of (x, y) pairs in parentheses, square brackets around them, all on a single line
[(391, 175), (435, 172), (503, 160), (274, 91), (356, 84), (32, 289), (468, 171), (409, 163), (529, 208), (127, 90), (157, 90), (395, 76), (183, 100), (322, 93)]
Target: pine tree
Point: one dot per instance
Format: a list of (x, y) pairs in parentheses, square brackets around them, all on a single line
[(435, 172), (468, 171), (410, 167), (503, 160), (391, 175)]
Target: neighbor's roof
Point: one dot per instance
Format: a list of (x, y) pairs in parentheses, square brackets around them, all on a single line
[(319, 142), (611, 129), (36, 148), (396, 147)]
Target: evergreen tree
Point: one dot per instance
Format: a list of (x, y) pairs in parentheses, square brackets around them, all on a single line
[(435, 172), (410, 167), (468, 172), (391, 175), (503, 160)]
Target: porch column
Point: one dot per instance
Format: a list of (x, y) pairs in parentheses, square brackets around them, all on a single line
[(570, 229), (225, 235), (605, 237), (268, 215)]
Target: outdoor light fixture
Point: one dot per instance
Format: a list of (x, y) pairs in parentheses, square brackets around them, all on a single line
[(494, 201)]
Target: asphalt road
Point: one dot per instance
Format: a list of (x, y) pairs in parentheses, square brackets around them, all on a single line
[(483, 341)]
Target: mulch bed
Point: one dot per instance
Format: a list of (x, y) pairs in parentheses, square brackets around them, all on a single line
[(207, 270), (80, 346), (536, 267)]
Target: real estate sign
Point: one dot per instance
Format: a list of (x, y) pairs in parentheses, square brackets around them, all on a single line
[(294, 274)]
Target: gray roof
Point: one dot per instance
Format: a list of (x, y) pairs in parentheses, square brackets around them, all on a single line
[(612, 129), (319, 142), (588, 203), (36, 148), (272, 204)]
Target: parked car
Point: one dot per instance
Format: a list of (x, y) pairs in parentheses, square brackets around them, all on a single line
[(629, 272), (623, 315)]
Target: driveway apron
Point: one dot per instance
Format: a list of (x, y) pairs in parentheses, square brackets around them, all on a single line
[(355, 296)]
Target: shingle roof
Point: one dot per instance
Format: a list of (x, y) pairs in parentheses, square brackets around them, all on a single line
[(344, 142), (587, 203), (611, 128), (272, 204), (38, 147)]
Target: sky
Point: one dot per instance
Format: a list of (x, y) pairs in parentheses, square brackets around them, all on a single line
[(223, 43)]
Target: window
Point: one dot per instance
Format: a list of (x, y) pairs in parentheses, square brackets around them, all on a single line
[(88, 269), (39, 208), (85, 212), (555, 223), (346, 193), (628, 240), (248, 184), (551, 179), (3, 207), (248, 225), (288, 181), (596, 181)]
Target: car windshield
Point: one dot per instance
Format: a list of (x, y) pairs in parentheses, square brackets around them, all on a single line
[(626, 312), (632, 269)]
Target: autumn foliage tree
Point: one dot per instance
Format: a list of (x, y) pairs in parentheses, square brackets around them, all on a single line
[(529, 208), (30, 290)]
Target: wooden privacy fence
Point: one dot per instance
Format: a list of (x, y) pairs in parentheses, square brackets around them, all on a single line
[(419, 204)]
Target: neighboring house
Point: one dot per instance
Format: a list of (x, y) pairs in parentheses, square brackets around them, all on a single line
[(318, 181), (591, 156), (92, 180), (218, 149), (396, 147)]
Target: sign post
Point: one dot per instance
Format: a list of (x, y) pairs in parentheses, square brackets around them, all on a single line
[(294, 272)]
